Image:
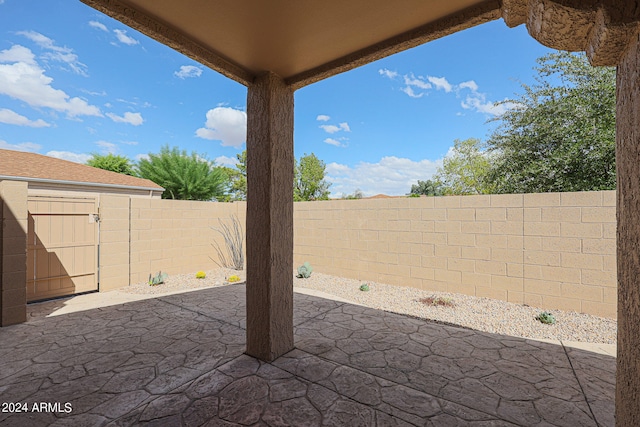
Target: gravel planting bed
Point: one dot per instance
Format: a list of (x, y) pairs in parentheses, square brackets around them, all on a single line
[(482, 314), (185, 282)]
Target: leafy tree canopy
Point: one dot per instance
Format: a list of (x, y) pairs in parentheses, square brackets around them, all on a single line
[(113, 163), (464, 170), (309, 183), (237, 179), (427, 188), (560, 136), (354, 196), (184, 177)]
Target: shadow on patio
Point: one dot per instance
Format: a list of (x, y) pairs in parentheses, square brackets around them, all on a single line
[(178, 360)]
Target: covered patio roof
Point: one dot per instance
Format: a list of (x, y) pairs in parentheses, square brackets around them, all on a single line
[(301, 41), (306, 41)]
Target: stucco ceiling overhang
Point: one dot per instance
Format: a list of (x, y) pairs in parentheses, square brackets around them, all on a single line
[(302, 41)]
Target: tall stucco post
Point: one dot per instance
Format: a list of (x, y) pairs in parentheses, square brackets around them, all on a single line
[(628, 254), (269, 218)]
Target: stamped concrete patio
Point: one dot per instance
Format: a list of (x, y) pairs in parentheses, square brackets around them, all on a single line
[(178, 360)]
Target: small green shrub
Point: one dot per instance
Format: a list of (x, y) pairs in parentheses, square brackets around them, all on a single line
[(546, 318), (433, 300), (233, 278), (201, 275), (305, 270), (364, 287), (157, 279)]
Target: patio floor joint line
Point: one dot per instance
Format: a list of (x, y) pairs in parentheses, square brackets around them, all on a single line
[(580, 385), (199, 312)]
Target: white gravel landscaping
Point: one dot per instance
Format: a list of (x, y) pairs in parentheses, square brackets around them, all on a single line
[(482, 314)]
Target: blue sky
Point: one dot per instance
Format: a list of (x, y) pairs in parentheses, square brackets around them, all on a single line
[(74, 82)]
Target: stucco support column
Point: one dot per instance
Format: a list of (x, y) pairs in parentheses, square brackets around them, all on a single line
[(269, 218), (628, 254)]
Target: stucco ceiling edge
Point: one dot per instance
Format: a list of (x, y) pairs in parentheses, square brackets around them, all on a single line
[(470, 17), (172, 38)]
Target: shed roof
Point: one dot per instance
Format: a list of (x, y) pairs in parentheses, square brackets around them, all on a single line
[(19, 164)]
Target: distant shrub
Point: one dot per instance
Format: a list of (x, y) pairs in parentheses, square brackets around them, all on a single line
[(157, 279), (231, 255), (364, 287), (546, 318), (201, 275), (233, 278), (305, 270), (433, 300)]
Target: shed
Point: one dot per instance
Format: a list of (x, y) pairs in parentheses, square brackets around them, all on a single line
[(50, 176), (63, 218)]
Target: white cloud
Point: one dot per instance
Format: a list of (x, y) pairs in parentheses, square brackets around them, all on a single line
[(411, 80), (388, 73), (56, 53), (68, 155), (225, 124), (23, 146), (469, 85), (139, 157), (134, 119), (440, 83), (135, 103), (12, 118), (23, 79), (130, 142), (323, 118), (332, 141), (226, 161), (478, 102), (107, 147), (411, 93), (417, 87), (17, 53), (330, 128), (122, 37), (188, 71), (344, 126), (392, 175), (98, 25), (93, 93)]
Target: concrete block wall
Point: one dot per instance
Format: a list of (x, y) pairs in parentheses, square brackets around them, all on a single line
[(176, 236), (553, 250), (13, 252), (114, 241)]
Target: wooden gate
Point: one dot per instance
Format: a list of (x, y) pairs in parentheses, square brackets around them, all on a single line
[(62, 246)]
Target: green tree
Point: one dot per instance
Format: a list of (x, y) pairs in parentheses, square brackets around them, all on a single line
[(309, 183), (560, 134), (183, 177), (427, 188), (113, 163), (354, 196), (239, 180), (464, 171)]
